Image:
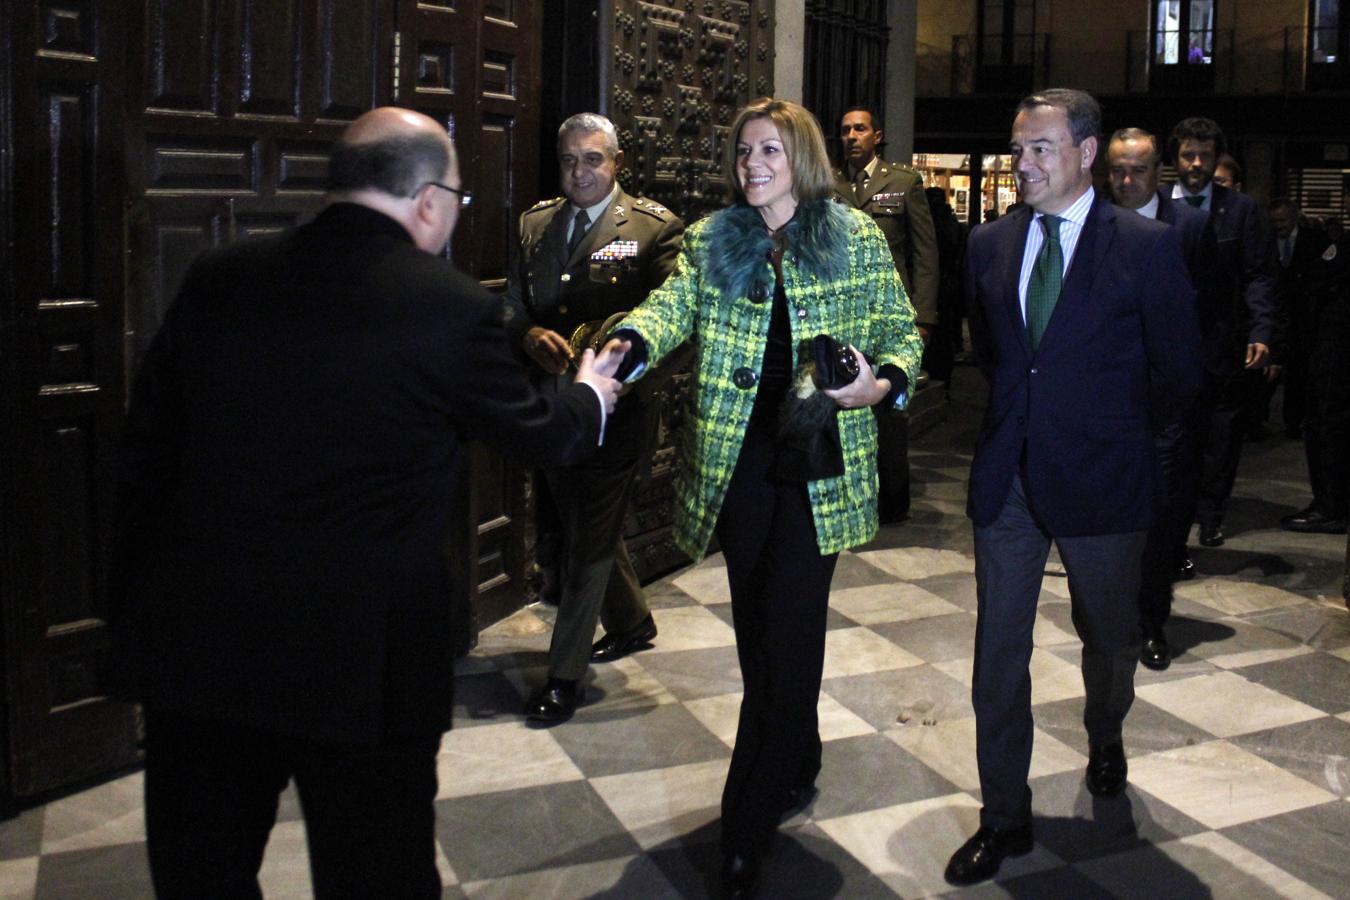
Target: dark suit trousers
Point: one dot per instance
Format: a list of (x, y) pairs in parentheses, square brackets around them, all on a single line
[(893, 466), (780, 591), (1103, 570), (1327, 431), (598, 580), (211, 793), (1166, 544), (1226, 412)]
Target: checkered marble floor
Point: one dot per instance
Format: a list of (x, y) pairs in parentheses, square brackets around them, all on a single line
[(1239, 769)]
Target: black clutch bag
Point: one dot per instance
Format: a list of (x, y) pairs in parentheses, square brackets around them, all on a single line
[(836, 366)]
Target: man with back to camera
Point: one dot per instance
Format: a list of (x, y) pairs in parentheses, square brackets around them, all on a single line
[(893, 196), (1237, 314), (283, 600), (1135, 163), (586, 256), (1075, 324)]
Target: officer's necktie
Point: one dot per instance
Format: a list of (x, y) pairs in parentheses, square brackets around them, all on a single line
[(1046, 275), (860, 185), (579, 226), (1196, 200)]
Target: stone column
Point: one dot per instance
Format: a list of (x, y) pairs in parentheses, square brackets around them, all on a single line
[(789, 46)]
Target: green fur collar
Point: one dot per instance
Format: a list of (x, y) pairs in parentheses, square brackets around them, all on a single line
[(738, 244)]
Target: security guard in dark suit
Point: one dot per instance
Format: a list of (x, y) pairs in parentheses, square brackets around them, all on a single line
[(584, 258), (893, 196)]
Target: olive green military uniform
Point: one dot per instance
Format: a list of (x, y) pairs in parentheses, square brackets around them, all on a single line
[(893, 196), (626, 252)]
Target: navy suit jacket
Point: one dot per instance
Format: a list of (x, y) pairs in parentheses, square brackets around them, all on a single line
[(1119, 357), (1197, 244), (1240, 306)]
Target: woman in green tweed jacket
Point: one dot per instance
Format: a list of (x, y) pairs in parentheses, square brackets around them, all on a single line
[(760, 462)]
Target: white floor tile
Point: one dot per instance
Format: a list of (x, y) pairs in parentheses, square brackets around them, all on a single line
[(500, 757), (102, 816), (1219, 785), (689, 628), (18, 878), (662, 804), (899, 602), (859, 651), (1226, 704), (919, 562)]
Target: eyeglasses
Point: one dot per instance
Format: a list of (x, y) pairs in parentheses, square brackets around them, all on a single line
[(465, 198)]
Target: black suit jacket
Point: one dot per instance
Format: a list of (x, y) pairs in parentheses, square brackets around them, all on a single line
[(1118, 358), (291, 461)]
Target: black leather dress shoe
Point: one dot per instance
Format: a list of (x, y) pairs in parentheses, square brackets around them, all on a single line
[(618, 645), (1313, 521), (1106, 770), (1186, 571), (1211, 536), (740, 875), (979, 858), (555, 702), (1154, 652)]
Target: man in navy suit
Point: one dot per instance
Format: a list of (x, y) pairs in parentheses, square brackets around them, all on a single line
[(1075, 324), (1237, 313), (1135, 163)]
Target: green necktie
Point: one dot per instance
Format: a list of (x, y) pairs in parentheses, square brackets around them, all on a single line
[(1046, 275), (1198, 200)]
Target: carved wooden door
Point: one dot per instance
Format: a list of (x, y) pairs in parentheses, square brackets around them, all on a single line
[(474, 65), (138, 135), (61, 391), (674, 74)]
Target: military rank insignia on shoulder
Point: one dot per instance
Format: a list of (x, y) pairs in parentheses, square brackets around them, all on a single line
[(545, 204), (652, 208)]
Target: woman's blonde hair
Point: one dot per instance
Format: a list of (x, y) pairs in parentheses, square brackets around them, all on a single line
[(803, 143)]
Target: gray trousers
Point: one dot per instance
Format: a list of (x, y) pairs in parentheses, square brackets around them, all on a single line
[(1103, 570)]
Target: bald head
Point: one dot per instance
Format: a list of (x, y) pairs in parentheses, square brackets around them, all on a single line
[(391, 150), (398, 162)]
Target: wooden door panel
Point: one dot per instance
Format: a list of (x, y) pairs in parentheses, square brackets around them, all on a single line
[(63, 391), (182, 58), (354, 39), (270, 58)]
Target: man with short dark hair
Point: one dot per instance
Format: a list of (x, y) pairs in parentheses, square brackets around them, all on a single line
[(586, 257), (1237, 314), (1075, 324), (284, 607), (1135, 162), (893, 196)]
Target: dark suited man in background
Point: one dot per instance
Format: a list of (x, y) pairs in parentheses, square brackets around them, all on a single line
[(1237, 314), (893, 196), (584, 257), (1299, 246), (1326, 429), (284, 602), (1076, 325), (1135, 161), (951, 240)]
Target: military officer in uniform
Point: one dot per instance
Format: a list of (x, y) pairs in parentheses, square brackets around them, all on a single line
[(583, 258), (893, 196)]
